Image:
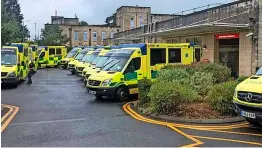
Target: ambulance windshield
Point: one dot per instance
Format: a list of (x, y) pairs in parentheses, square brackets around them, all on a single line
[(8, 56)]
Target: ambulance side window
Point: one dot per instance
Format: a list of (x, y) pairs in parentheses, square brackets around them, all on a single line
[(174, 55), (42, 55), (58, 51), (157, 56), (51, 51), (134, 65)]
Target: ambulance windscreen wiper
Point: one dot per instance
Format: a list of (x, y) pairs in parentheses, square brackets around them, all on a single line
[(113, 65)]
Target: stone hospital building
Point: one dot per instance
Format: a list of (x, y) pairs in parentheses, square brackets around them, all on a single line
[(230, 33)]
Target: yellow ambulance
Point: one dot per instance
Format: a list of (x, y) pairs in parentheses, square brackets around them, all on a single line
[(248, 98), (97, 65), (14, 66), (134, 62), (91, 56), (51, 56), (72, 64), (69, 57)]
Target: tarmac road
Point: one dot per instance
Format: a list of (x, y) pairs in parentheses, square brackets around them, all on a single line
[(57, 111)]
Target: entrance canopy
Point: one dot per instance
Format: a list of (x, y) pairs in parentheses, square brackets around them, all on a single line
[(196, 30)]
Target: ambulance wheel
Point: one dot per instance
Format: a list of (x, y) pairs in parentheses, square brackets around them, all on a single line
[(15, 85), (64, 67), (98, 97), (85, 82), (122, 93)]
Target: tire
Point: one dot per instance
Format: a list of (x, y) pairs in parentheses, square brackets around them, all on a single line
[(98, 98), (122, 93), (64, 67), (73, 72), (85, 82), (254, 122), (15, 85)]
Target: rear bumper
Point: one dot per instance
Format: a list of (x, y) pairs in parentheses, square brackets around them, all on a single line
[(108, 92), (13, 80), (239, 107)]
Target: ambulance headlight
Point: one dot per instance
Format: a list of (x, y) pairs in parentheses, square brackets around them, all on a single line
[(106, 82), (12, 74)]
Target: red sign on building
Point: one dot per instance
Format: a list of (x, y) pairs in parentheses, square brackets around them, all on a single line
[(227, 36)]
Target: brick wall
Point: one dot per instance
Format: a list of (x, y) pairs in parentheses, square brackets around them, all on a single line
[(245, 55), (125, 13), (260, 35), (82, 29)]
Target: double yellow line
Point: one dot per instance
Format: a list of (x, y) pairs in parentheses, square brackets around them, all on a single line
[(135, 115), (7, 118), (211, 128)]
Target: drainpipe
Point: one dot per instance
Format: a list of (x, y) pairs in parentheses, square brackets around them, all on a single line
[(70, 37), (89, 41)]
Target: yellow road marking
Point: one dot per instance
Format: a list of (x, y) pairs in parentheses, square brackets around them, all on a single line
[(229, 132), (127, 109), (197, 142), (245, 124), (214, 128), (8, 113), (231, 140), (3, 127)]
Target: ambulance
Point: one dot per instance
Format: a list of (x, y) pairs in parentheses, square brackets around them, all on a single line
[(69, 57), (51, 56), (247, 98), (91, 56), (134, 62), (96, 66), (33, 55), (14, 67), (72, 64)]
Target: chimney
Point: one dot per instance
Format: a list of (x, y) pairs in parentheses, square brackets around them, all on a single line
[(55, 13)]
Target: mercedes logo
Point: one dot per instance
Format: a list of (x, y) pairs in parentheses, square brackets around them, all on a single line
[(249, 97)]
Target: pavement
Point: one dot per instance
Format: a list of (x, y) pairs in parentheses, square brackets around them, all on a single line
[(57, 111)]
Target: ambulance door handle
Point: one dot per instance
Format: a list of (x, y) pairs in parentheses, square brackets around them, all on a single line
[(140, 74)]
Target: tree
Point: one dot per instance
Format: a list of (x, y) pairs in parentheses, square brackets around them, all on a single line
[(51, 35), (11, 22), (14, 10), (10, 29), (111, 20), (83, 23)]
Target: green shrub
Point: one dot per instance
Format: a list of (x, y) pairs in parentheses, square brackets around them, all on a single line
[(166, 96), (220, 73), (201, 82), (241, 78), (143, 90), (174, 75), (220, 97)]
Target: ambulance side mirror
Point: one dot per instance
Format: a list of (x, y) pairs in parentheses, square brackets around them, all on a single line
[(257, 68)]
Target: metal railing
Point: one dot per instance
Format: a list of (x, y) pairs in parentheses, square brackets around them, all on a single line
[(237, 12)]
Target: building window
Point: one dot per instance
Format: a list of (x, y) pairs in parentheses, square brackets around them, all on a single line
[(94, 37), (132, 23), (76, 36), (174, 55), (194, 40), (85, 36), (112, 34), (103, 35), (158, 56), (141, 21)]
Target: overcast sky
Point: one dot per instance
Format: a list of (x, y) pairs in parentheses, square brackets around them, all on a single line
[(95, 11)]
